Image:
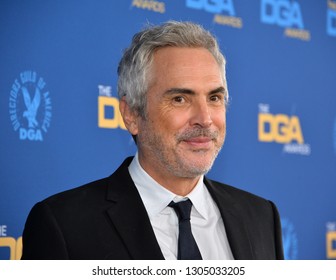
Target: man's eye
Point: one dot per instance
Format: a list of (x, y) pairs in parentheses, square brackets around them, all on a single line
[(215, 98), (178, 99)]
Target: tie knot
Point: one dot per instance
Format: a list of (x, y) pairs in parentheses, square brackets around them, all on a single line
[(182, 209)]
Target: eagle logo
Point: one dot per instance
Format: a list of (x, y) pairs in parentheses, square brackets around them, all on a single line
[(31, 106)]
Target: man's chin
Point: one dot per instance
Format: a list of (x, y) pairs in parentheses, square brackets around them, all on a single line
[(199, 167), (200, 157)]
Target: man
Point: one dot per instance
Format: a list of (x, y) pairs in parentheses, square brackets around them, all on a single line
[(173, 97)]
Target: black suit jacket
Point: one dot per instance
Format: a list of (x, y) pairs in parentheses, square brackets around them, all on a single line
[(106, 219)]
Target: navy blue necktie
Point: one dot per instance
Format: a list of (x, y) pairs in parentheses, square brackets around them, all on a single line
[(187, 247)]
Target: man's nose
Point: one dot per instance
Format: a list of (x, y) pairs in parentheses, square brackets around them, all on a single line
[(201, 115)]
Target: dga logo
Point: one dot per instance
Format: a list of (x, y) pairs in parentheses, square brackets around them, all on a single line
[(108, 109), (286, 14), (281, 129), (7, 242), (331, 18), (223, 9), (30, 106), (150, 5), (331, 240), (290, 240)]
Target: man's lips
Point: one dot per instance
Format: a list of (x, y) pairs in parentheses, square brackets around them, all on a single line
[(198, 138), (199, 141)]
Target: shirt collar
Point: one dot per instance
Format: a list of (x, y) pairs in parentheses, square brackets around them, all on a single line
[(199, 198), (156, 198)]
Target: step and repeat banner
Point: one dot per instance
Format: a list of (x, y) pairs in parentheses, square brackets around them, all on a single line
[(60, 125)]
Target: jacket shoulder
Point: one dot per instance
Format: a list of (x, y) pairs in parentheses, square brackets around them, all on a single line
[(233, 192), (243, 211), (82, 193)]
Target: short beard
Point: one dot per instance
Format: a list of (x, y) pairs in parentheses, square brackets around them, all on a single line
[(175, 165), (179, 169)]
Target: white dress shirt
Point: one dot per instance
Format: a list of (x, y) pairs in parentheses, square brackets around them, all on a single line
[(206, 222)]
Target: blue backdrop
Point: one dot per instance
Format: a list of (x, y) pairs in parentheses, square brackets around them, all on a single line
[(60, 127)]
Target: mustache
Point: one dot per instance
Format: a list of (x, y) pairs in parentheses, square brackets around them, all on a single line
[(197, 132)]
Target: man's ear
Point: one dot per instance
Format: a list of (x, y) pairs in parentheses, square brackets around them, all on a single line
[(130, 118)]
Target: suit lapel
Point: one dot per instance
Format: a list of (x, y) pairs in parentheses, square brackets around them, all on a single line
[(234, 221), (129, 216), (130, 219)]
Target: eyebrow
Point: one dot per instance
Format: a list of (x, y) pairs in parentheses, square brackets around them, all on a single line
[(179, 90), (218, 90), (189, 91)]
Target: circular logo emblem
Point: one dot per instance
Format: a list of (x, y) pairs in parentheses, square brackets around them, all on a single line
[(290, 240), (30, 106)]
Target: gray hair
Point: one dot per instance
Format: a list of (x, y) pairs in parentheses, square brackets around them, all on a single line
[(134, 66)]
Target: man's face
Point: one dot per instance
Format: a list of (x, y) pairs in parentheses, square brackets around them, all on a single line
[(184, 128)]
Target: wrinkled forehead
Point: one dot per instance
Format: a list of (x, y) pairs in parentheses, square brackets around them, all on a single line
[(165, 60)]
